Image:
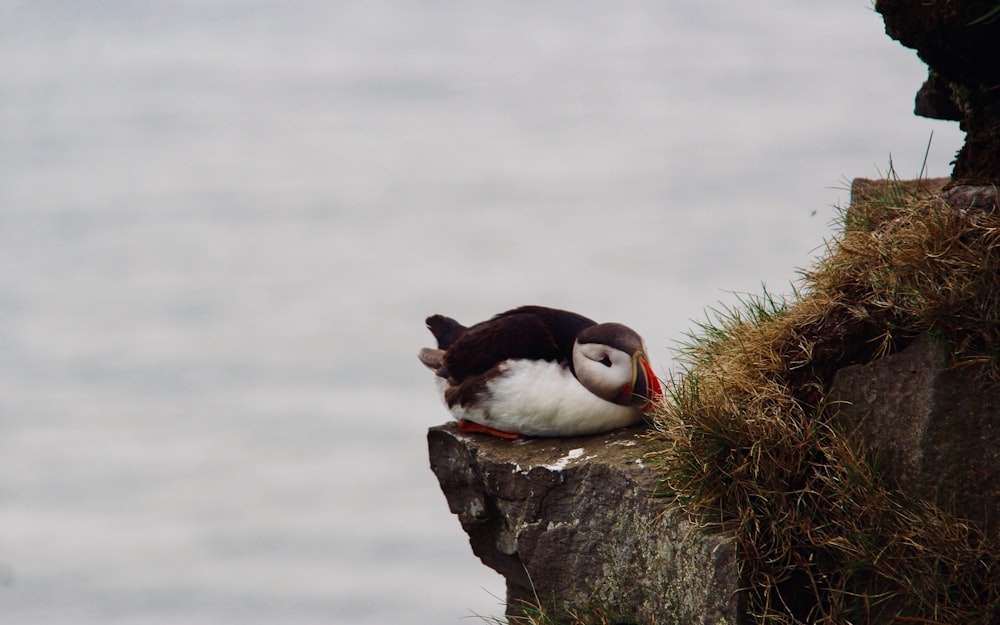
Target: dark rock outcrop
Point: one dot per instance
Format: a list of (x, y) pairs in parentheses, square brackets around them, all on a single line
[(958, 41), (573, 526)]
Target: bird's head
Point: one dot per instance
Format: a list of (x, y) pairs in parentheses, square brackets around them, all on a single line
[(610, 360)]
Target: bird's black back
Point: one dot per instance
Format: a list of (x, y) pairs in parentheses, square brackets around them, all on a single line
[(529, 332)]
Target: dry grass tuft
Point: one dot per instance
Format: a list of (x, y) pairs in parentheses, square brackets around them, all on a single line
[(535, 613), (750, 448)]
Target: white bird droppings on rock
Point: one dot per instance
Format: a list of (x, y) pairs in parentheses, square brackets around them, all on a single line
[(561, 463)]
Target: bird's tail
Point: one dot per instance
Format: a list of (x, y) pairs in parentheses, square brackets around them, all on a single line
[(445, 329)]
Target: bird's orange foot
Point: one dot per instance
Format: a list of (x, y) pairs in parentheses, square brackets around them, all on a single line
[(472, 426)]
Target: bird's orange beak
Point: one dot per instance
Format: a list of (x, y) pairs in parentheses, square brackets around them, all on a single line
[(646, 389)]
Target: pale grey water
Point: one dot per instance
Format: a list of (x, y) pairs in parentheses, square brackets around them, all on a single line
[(222, 223)]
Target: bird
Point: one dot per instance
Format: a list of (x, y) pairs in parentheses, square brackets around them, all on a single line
[(535, 371)]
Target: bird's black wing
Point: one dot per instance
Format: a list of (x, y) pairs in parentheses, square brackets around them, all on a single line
[(530, 332)]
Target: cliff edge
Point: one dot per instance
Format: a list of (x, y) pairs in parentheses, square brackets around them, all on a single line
[(573, 526)]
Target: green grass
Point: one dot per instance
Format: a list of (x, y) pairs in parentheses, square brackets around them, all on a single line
[(990, 15)]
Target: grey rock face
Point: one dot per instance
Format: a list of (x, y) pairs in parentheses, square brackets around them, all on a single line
[(934, 428), (572, 525)]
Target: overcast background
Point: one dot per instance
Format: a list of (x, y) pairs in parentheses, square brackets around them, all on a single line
[(222, 223)]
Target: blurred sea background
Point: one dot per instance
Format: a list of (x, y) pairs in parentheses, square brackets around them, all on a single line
[(222, 223)]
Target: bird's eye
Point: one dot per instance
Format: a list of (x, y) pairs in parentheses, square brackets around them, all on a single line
[(606, 361)]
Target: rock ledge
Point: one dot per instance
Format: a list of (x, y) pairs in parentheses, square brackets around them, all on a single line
[(572, 525)]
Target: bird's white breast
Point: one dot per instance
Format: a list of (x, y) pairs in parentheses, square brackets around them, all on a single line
[(541, 398)]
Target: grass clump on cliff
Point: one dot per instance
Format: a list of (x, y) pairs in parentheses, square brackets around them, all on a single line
[(750, 445), (537, 613)]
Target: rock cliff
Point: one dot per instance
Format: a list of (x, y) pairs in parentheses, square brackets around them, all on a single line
[(576, 529)]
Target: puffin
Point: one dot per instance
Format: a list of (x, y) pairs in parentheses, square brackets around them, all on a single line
[(541, 372)]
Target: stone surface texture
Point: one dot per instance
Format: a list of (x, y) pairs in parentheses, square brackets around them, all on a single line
[(934, 427), (960, 196), (966, 197), (573, 526)]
